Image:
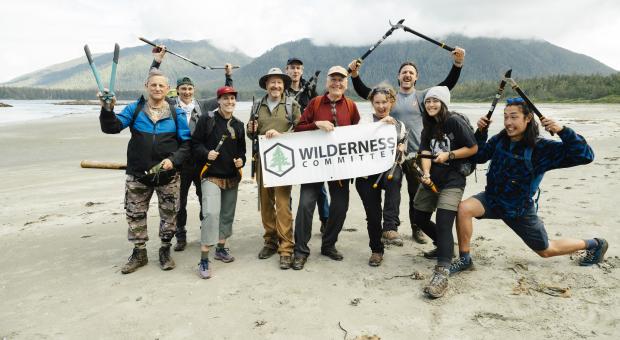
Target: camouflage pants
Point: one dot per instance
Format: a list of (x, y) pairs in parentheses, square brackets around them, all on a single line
[(137, 198)]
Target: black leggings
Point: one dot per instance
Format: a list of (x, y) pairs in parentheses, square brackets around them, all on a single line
[(441, 234)]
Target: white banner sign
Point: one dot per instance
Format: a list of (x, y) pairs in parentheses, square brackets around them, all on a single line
[(318, 156)]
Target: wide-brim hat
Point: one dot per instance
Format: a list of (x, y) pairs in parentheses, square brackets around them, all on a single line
[(275, 72)]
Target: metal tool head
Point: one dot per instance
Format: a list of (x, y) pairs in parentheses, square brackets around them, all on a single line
[(398, 25)]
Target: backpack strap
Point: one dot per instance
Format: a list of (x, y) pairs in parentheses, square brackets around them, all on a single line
[(139, 108), (288, 106)]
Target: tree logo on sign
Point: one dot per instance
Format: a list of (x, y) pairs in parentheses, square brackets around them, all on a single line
[(279, 159)]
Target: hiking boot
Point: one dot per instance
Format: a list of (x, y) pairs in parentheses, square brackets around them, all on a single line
[(417, 235), (332, 253), (299, 261), (137, 259), (596, 254), (286, 262), (439, 282), (375, 259), (223, 254), (180, 246), (267, 252), (461, 265), (165, 261), (392, 237), (203, 269)]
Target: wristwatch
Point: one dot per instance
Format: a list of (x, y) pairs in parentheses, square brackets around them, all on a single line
[(451, 156)]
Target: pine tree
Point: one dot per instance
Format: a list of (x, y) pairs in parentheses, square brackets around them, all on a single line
[(279, 159)]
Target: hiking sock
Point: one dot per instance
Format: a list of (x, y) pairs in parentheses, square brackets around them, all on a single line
[(220, 246), (465, 256), (204, 255), (165, 243), (140, 245), (591, 243)]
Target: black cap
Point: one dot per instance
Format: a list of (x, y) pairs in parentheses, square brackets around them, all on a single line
[(294, 60)]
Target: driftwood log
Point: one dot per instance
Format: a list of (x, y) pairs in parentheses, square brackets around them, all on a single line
[(103, 165)]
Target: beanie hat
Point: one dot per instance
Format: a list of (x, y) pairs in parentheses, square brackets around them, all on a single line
[(440, 92)]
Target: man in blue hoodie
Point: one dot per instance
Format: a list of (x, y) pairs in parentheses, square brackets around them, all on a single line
[(159, 144)]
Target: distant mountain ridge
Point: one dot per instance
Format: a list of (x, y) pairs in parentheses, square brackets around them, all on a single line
[(486, 59)]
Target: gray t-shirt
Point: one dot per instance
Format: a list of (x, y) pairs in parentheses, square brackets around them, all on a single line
[(407, 109)]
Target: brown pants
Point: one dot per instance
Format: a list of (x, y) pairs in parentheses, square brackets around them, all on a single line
[(275, 211)]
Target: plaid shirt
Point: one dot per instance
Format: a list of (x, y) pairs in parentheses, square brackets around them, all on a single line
[(511, 185)]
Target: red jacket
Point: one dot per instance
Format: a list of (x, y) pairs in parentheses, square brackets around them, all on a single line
[(346, 113)]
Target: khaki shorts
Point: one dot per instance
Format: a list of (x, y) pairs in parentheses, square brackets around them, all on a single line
[(447, 199)]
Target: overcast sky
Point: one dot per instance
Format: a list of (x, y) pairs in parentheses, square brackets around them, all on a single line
[(38, 33)]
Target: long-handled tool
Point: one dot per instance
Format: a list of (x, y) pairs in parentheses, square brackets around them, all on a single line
[(516, 87), (398, 156), (387, 34), (375, 185), (217, 149), (311, 83), (427, 38), (420, 174), (186, 59), (499, 93), (106, 95)]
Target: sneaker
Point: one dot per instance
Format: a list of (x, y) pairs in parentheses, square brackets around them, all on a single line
[(286, 262), (267, 252), (439, 282), (596, 254), (299, 261), (417, 235), (180, 246), (431, 254), (375, 259), (165, 261), (461, 265), (392, 237), (203, 269), (223, 254), (137, 259), (332, 253)]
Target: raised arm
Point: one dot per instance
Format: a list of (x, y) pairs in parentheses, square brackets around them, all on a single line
[(360, 88), (455, 72)]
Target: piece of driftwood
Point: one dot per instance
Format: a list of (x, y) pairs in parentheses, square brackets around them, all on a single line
[(103, 165)]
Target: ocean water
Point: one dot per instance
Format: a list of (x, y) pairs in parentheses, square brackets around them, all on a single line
[(583, 117)]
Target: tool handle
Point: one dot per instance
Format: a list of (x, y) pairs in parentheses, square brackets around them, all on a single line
[(429, 39)]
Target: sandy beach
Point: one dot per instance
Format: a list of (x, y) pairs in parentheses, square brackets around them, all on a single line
[(63, 240)]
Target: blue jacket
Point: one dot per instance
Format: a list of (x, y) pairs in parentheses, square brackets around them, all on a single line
[(516, 170), (150, 142)]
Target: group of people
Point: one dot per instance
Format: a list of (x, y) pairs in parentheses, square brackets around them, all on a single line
[(179, 141)]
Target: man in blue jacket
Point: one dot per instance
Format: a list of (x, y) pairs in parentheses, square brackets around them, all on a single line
[(519, 159), (159, 144)]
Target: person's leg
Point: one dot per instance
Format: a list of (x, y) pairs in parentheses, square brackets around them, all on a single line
[(209, 228), (322, 205), (339, 192), (137, 197), (227, 217), (198, 186), (425, 203), (467, 210), (308, 194), (391, 208), (168, 197), (284, 225), (412, 188), (371, 200), (187, 176), (268, 217)]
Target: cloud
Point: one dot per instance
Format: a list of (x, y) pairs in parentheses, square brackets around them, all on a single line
[(37, 33)]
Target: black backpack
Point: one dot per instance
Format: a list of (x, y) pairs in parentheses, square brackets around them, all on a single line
[(465, 166)]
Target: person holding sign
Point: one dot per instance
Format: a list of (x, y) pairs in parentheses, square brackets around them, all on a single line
[(369, 188), (324, 112)]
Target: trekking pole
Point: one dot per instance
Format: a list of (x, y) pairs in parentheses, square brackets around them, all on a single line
[(387, 34), (217, 149), (376, 184), (516, 87), (429, 39), (311, 82), (499, 93), (186, 59)]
